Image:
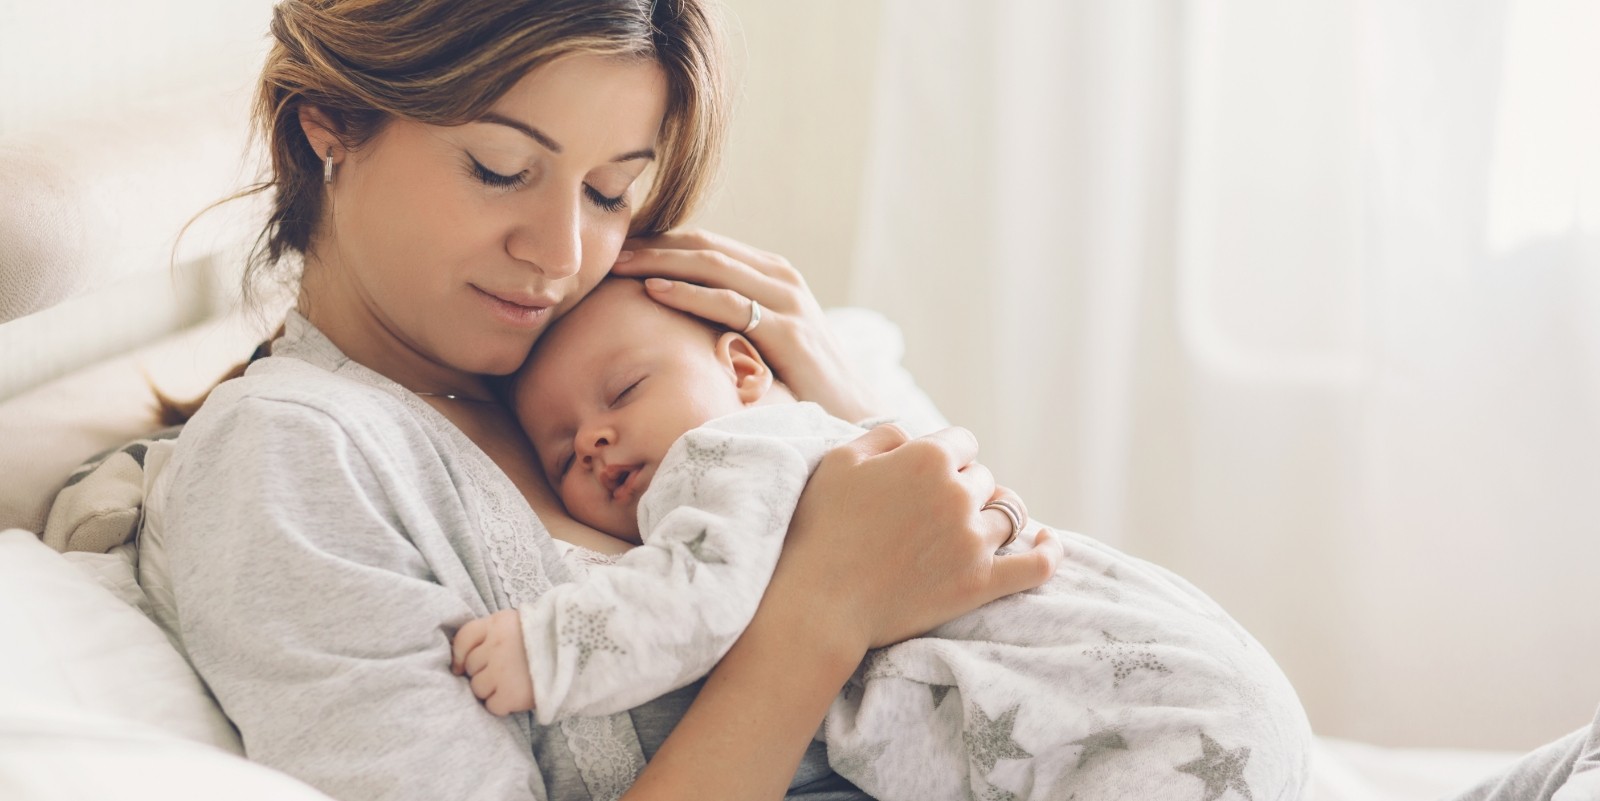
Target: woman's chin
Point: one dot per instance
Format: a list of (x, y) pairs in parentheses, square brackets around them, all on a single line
[(492, 358)]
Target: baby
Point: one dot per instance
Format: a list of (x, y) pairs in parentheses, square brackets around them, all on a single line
[(1116, 679)]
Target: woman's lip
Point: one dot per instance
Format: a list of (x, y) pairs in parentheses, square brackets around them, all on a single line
[(518, 310)]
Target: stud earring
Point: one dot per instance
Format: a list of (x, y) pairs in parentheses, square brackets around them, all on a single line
[(327, 167)]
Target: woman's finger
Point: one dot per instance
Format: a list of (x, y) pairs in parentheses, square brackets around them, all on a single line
[(770, 264), (979, 483), (723, 306), (957, 444), (1018, 572), (708, 268), (1000, 521)]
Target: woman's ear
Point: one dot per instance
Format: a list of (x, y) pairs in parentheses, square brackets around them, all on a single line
[(319, 133), (751, 376)]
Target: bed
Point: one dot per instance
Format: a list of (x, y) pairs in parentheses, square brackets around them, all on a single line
[(96, 306)]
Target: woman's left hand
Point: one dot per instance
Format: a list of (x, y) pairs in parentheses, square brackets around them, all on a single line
[(717, 278)]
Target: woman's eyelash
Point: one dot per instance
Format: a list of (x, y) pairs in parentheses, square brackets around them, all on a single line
[(494, 179), (617, 203), (489, 177)]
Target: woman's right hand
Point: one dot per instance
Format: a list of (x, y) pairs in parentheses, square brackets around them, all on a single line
[(888, 540)]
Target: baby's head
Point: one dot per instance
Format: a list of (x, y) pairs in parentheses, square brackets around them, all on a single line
[(609, 388)]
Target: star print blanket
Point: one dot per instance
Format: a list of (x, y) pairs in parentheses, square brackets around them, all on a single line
[(1116, 679)]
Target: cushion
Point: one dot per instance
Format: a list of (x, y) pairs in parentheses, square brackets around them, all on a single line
[(48, 432), (98, 509), (74, 645), (57, 755)]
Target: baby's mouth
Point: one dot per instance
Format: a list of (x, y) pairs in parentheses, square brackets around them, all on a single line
[(617, 478)]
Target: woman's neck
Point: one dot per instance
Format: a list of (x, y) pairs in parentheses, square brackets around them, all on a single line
[(361, 333)]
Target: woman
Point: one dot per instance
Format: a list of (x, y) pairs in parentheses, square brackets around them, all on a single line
[(453, 176)]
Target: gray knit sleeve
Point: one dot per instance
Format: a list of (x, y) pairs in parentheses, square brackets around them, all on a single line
[(321, 626)]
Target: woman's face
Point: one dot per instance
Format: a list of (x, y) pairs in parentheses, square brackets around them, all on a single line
[(461, 243)]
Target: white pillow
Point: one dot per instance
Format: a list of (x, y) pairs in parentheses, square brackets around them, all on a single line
[(875, 351), (55, 755), (73, 645)]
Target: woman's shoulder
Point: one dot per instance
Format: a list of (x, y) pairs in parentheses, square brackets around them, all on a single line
[(277, 386), (287, 409)]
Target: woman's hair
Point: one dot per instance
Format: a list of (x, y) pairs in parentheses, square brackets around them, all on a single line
[(362, 63)]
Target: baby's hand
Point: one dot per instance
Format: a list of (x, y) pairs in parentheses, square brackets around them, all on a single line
[(490, 651)]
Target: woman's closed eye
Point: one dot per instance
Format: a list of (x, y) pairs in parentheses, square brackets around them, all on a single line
[(611, 204), (490, 178)]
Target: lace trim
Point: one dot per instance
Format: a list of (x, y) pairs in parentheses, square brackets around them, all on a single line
[(605, 749), (579, 559)]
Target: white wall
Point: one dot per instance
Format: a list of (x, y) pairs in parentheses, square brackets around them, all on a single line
[(89, 89), (791, 182)]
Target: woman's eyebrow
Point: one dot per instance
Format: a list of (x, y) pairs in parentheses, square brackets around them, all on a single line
[(552, 145)]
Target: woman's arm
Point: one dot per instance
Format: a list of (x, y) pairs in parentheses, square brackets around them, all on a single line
[(320, 618), (887, 542)]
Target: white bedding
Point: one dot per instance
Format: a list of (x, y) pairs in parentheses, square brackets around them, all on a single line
[(95, 702)]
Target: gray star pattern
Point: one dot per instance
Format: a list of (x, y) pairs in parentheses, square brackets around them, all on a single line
[(989, 741), (880, 665), (697, 461), (1221, 769), (586, 631), (1126, 657), (852, 691), (993, 793), (859, 766), (1106, 739), (1098, 586), (939, 692), (701, 552)]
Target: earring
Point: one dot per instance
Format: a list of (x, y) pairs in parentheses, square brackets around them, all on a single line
[(327, 167)]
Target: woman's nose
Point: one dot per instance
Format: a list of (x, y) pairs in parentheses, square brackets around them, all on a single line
[(550, 237)]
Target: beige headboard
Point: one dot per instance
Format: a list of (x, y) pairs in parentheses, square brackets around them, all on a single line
[(118, 123)]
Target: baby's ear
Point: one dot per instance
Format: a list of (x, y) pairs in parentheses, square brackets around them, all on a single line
[(751, 376)]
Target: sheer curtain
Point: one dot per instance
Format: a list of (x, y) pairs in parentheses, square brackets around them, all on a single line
[(1298, 299)]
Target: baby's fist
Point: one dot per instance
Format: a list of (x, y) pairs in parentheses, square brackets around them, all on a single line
[(489, 650)]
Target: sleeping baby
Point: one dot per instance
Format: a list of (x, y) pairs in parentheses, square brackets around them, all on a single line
[(1115, 679)]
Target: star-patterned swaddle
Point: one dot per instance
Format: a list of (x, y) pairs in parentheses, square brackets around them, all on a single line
[(1116, 679)]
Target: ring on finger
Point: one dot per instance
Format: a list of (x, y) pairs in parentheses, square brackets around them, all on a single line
[(1012, 513), (755, 317)]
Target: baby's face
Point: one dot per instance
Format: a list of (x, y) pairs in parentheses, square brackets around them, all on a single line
[(606, 393)]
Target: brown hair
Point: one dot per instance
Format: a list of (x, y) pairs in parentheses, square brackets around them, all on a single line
[(445, 62)]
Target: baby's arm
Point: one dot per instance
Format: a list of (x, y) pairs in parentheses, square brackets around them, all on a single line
[(713, 522)]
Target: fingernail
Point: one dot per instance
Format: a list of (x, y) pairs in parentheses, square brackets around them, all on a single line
[(624, 256), (658, 284)]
